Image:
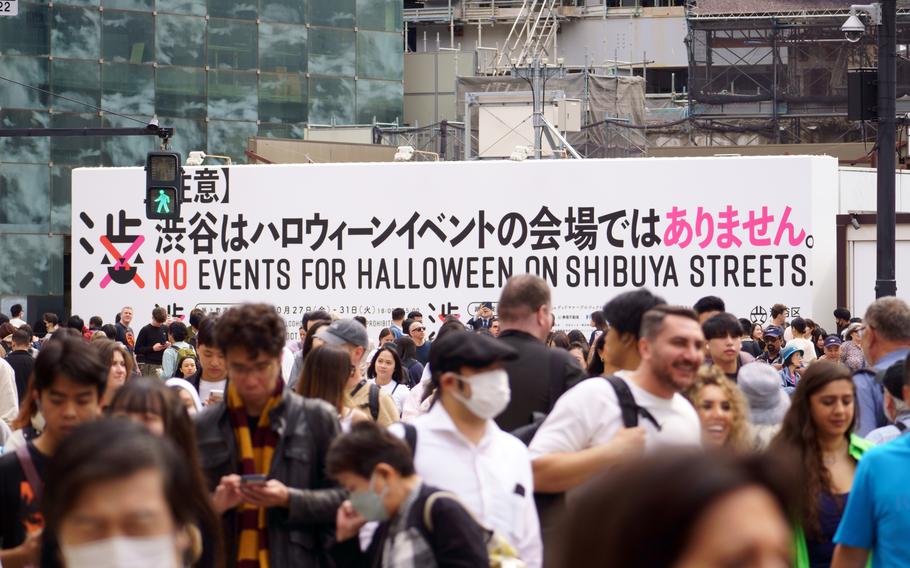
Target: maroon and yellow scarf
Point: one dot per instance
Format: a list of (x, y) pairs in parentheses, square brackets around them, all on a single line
[(256, 449)]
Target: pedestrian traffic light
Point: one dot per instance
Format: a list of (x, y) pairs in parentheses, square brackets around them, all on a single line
[(163, 185)]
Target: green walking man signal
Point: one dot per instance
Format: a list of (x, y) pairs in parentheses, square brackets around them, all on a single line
[(163, 185)]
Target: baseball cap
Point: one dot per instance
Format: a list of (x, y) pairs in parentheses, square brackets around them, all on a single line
[(345, 331), (773, 331), (832, 340), (456, 350), (893, 380)]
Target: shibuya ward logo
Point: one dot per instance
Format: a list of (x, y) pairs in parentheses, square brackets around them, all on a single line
[(120, 251)]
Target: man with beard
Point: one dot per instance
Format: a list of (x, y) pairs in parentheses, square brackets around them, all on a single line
[(585, 433), (773, 343)]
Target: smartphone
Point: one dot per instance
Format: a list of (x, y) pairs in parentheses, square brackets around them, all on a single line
[(253, 479), (217, 395)]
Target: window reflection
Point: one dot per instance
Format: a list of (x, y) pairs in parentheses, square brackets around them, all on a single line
[(61, 199), (230, 138), (39, 259), (128, 88), (289, 11), (140, 5), (191, 7), (27, 34), (180, 92), (241, 9), (78, 80), (331, 100), (381, 100), (129, 37), (232, 95), (76, 150), (76, 32), (232, 45), (331, 52), (379, 55), (282, 48), (30, 71), (282, 98), (121, 151), (26, 149), (181, 40), (24, 199), (379, 15), (337, 13)]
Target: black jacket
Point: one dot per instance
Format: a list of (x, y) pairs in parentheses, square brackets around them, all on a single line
[(302, 534), (537, 378), (22, 363)]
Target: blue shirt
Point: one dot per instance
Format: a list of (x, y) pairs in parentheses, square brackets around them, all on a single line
[(877, 516), (396, 331), (870, 400)]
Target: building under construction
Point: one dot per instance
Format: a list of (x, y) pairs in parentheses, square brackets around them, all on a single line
[(775, 71)]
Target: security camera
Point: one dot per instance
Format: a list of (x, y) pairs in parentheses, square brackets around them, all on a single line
[(853, 29)]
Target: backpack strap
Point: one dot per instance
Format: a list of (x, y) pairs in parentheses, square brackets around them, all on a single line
[(627, 405), (374, 401), (431, 500), (900, 426), (31, 474), (410, 436), (358, 387)]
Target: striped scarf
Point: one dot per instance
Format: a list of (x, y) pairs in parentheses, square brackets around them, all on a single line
[(256, 450)]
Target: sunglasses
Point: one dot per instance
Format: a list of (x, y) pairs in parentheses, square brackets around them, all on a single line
[(418, 329)]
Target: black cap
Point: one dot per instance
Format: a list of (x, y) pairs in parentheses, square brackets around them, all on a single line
[(894, 380), (453, 351)]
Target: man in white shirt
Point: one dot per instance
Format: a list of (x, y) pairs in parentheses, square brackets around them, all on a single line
[(16, 313), (458, 447), (584, 433)]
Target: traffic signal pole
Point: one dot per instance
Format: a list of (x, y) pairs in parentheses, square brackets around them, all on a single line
[(151, 130)]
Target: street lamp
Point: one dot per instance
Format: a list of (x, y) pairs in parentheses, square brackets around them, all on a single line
[(884, 15)]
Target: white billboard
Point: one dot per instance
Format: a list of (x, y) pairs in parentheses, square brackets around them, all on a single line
[(361, 239)]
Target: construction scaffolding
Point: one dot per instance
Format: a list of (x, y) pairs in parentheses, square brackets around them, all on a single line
[(775, 71)]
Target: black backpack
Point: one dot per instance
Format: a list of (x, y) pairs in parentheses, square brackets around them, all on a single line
[(373, 403), (628, 407)]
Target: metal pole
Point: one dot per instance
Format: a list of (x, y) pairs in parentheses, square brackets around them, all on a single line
[(886, 220), (537, 95)]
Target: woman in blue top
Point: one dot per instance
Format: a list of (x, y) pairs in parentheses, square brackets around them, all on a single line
[(792, 360), (818, 430)]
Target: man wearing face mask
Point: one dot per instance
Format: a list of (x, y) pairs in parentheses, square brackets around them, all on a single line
[(418, 526), (459, 448)]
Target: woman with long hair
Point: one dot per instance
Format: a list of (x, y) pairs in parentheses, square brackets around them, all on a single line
[(121, 366), (387, 371), (722, 410), (148, 401), (818, 432), (407, 351), (326, 374)]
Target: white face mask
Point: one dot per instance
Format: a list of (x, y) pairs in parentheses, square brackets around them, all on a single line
[(123, 552), (490, 393)]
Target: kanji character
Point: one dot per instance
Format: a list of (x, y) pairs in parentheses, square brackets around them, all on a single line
[(758, 227), (728, 222), (650, 238), (679, 231), (205, 186), (203, 235), (545, 228), (785, 225), (508, 226), (581, 228), (611, 219), (170, 234), (702, 217), (124, 223)]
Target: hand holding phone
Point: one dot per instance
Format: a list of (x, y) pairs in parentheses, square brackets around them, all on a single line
[(253, 479)]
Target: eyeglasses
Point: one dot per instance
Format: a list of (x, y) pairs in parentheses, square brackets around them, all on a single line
[(418, 329)]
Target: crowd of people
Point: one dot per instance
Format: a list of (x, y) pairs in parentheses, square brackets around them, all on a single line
[(660, 436)]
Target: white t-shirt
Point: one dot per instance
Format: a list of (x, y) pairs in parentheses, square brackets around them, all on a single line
[(588, 415), (397, 391), (206, 388)]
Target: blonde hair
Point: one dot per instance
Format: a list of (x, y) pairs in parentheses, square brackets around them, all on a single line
[(708, 376)]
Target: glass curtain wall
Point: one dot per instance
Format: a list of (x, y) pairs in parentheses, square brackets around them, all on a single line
[(219, 71)]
